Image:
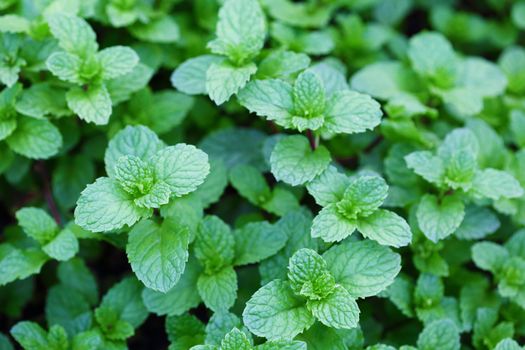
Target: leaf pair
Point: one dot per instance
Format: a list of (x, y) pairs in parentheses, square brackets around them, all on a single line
[(86, 68), (307, 104), (143, 174), (241, 32), (353, 203), (454, 167), (218, 250), (506, 263), (321, 287)]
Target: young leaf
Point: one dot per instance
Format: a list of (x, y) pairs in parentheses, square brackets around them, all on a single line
[(241, 30), (339, 310)]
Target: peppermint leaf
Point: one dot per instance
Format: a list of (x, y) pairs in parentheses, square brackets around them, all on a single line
[(294, 162), (158, 253), (274, 312)]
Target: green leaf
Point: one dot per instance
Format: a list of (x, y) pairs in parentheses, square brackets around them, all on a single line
[(73, 34), (363, 196), (224, 80), (439, 335), (496, 184), (30, 335), (134, 141), (69, 309), (184, 331), (250, 184), (508, 344), (457, 142), (183, 167), (351, 112), (180, 298), (478, 223), (121, 88), (433, 57), (37, 224), (125, 299), (363, 268), (134, 175), (241, 30), (274, 312), (117, 61), (385, 80), (489, 256), (236, 146), (294, 162), (219, 325), (339, 310), (309, 275), (426, 165), (386, 227), (215, 244), (280, 64), (19, 264), (331, 226), (270, 98), (190, 76), (512, 63), (257, 241), (35, 138), (329, 187), (65, 66), (62, 247), (309, 100), (104, 206), (517, 125), (75, 275), (236, 340), (162, 30), (437, 218), (218, 290), (70, 176), (111, 325), (92, 104), (158, 253)]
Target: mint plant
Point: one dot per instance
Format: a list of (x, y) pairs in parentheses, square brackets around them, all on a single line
[(262, 175), (82, 65)]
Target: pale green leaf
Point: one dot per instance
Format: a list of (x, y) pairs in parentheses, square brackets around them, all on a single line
[(339, 310), (274, 312), (158, 253), (117, 61), (104, 206), (364, 268), (224, 80), (439, 218), (294, 162), (218, 290), (386, 228), (35, 138)]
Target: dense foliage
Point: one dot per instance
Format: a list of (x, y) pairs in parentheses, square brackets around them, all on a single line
[(262, 174)]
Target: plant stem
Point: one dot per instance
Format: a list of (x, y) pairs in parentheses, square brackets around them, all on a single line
[(311, 139)]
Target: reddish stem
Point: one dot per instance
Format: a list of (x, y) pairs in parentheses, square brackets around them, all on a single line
[(311, 139)]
